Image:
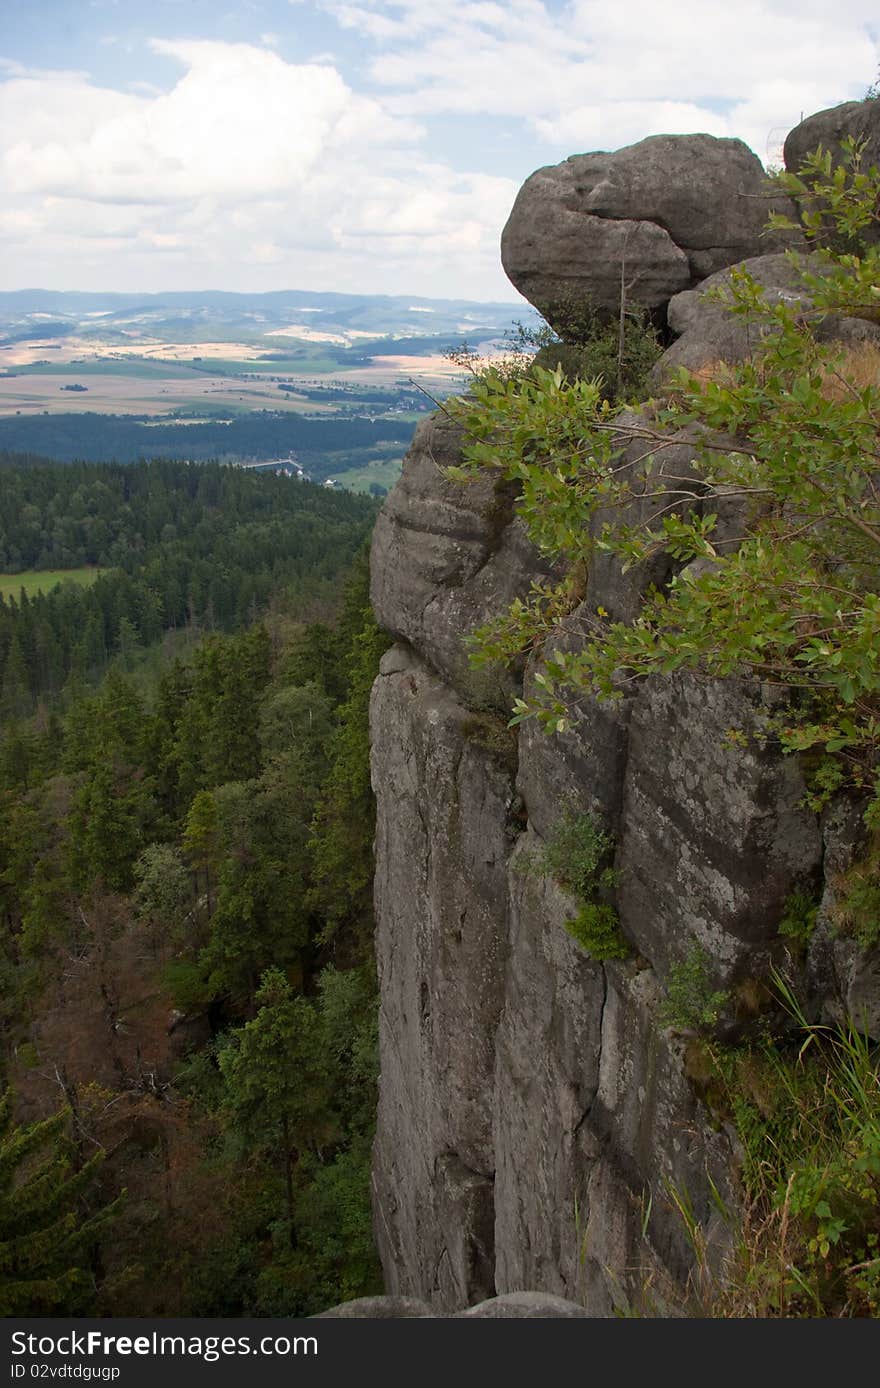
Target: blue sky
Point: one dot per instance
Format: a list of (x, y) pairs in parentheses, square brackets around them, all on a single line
[(373, 146)]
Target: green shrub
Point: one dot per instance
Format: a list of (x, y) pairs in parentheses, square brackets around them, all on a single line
[(799, 919), (577, 855), (691, 1003), (597, 930), (806, 1108), (590, 346), (857, 911), (587, 343)]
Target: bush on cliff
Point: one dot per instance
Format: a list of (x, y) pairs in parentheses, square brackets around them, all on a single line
[(794, 600), (787, 450)]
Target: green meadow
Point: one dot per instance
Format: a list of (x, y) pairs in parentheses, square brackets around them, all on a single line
[(44, 580), (139, 368), (385, 471)]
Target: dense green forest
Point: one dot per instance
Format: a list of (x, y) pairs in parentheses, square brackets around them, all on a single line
[(187, 1022), (257, 434), (187, 547)]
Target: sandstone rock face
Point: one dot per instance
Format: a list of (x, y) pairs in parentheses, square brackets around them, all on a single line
[(446, 556), (441, 849), (655, 464), (670, 210), (709, 334), (535, 1109), (529, 1097), (713, 837), (547, 1072), (845, 977), (859, 119), (532, 1105)]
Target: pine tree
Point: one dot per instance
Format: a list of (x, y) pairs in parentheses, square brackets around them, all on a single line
[(276, 1092), (15, 698), (44, 1238)]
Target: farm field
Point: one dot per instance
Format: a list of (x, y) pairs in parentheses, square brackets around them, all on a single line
[(338, 383), (138, 387), (44, 580), (113, 393), (383, 471)]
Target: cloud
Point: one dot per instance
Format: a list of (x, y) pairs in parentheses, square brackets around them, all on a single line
[(249, 172), (239, 123), (586, 126), (589, 74)]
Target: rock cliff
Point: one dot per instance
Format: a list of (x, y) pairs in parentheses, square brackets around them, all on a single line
[(533, 1109)]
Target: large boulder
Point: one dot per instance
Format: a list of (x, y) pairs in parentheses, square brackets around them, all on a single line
[(859, 120), (531, 1305), (377, 1308), (661, 215), (709, 333), (513, 1306), (829, 128)]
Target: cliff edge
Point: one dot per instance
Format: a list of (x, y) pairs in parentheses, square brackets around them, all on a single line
[(534, 1111)]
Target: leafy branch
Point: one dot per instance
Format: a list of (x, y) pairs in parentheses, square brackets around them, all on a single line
[(786, 446)]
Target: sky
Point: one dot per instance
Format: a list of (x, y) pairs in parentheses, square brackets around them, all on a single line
[(372, 147)]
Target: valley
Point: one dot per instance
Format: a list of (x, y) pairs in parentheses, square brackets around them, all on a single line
[(334, 383)]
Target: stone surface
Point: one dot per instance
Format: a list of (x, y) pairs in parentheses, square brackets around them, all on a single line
[(529, 1099), (582, 769), (845, 977), (659, 467), (709, 334), (445, 556), (672, 208), (654, 1137), (546, 1078), (828, 128), (535, 1110), (714, 835), (525, 1304), (590, 1107), (441, 851), (377, 1308), (515, 1305), (587, 254)]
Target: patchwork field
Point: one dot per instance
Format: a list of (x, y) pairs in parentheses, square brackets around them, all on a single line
[(119, 393), (166, 387), (333, 383)]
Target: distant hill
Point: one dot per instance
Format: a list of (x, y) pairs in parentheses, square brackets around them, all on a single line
[(199, 315)]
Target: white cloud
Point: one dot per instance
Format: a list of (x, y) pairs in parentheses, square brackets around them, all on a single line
[(248, 172), (239, 123), (593, 74), (586, 127)]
